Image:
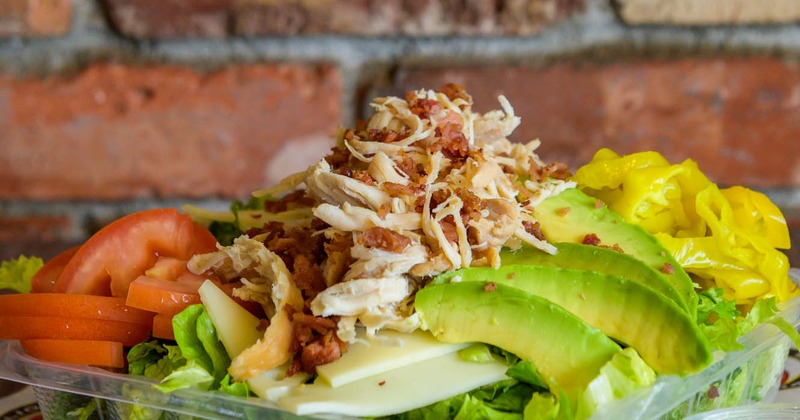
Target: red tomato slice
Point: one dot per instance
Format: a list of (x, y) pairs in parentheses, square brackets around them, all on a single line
[(120, 252), (162, 327), (107, 354), (45, 279), (23, 327), (161, 296), (73, 306)]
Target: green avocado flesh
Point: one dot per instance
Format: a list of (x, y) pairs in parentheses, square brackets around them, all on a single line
[(593, 258), (558, 343), (627, 311), (571, 215)]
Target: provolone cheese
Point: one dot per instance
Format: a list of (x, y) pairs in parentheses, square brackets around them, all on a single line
[(274, 384), (236, 327), (395, 391), (362, 359)]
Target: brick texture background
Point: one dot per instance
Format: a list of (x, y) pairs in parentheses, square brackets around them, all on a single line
[(108, 106)]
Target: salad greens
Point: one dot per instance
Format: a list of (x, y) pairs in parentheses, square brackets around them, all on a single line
[(16, 274)]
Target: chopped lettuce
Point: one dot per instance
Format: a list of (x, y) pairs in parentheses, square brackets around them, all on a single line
[(622, 375), (16, 274), (198, 361)]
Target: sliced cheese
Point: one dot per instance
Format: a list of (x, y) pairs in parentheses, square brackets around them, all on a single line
[(363, 359), (236, 327), (395, 391), (274, 384)]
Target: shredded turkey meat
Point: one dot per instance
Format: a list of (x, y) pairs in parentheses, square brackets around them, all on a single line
[(425, 186)]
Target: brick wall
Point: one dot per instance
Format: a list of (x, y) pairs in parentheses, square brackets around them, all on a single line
[(109, 106)]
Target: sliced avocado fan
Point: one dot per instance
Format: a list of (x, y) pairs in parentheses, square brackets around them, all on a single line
[(572, 215), (665, 336), (594, 258), (560, 345)]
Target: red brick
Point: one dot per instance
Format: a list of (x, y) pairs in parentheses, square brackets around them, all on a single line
[(40, 228), (177, 18), (32, 18), (115, 131), (171, 18), (737, 117)]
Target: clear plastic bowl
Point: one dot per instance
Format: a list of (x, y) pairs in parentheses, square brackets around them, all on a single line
[(740, 378)]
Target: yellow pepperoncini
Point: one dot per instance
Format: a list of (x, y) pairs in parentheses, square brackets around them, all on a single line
[(724, 238)]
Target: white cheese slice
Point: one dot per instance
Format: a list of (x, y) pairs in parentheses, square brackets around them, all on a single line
[(236, 327), (364, 359), (274, 384), (395, 391)]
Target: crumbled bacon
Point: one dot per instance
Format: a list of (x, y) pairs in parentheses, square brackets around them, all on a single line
[(534, 228), (563, 211), (454, 91), (449, 229), (490, 287), (339, 156), (297, 197), (308, 277), (423, 108), (400, 190), (363, 176), (382, 238), (472, 205), (591, 239), (383, 210), (315, 343), (668, 268), (385, 135), (556, 170)]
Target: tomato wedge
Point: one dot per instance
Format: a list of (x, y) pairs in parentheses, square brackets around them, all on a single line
[(45, 279), (162, 327), (107, 354), (161, 296), (112, 258), (73, 306), (23, 327)]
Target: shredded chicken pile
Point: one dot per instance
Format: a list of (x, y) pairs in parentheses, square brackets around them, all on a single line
[(424, 187)]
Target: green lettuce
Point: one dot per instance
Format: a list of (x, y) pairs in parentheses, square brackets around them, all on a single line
[(16, 274), (199, 360), (622, 375)]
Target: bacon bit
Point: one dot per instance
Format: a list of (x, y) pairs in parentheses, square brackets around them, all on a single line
[(668, 268), (315, 343), (556, 170), (534, 228), (472, 205), (453, 144), (449, 229), (591, 239), (598, 204), (283, 204), (382, 238), (405, 164), (385, 135), (713, 392), (617, 248), (422, 108), (381, 383), (339, 155), (383, 210), (490, 287), (308, 276), (454, 91), (563, 211), (364, 177), (511, 275), (400, 190)]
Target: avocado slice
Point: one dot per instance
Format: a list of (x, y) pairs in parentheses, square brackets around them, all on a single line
[(664, 335), (594, 258), (572, 214), (558, 343)]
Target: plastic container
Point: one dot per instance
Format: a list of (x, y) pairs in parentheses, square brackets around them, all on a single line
[(740, 378)]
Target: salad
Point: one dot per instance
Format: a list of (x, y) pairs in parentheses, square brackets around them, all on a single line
[(427, 267)]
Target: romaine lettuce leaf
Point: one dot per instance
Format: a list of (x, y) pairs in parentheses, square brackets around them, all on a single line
[(16, 274)]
